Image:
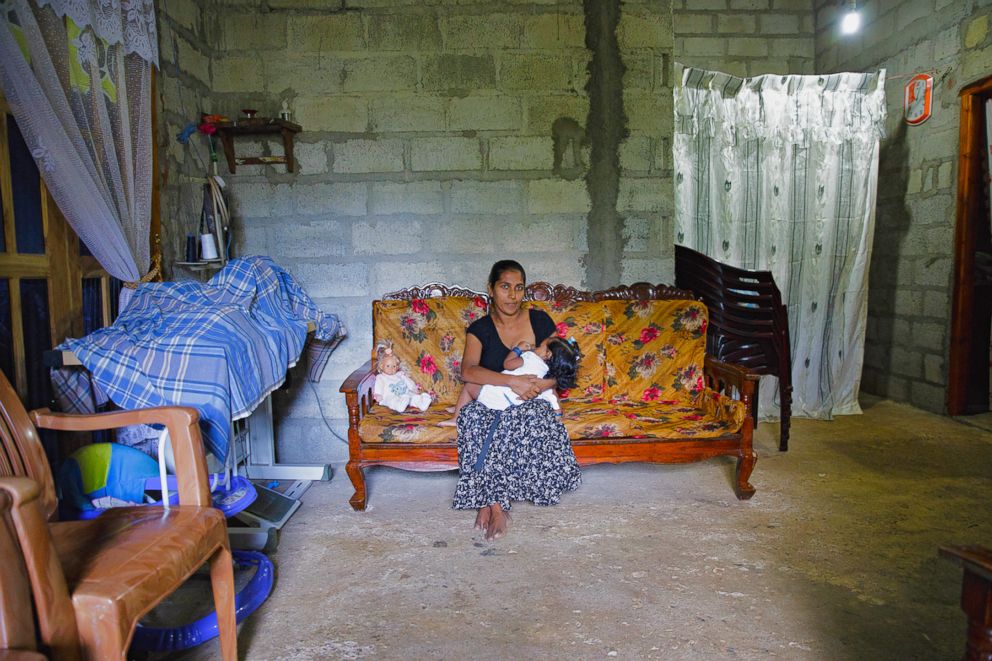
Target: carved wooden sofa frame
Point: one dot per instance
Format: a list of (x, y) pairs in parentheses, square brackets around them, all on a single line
[(726, 378)]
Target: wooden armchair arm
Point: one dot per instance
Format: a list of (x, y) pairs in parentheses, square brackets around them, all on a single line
[(184, 432), (357, 380), (56, 618), (357, 389), (725, 377)]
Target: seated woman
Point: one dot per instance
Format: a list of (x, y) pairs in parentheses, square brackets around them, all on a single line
[(555, 358), (522, 453)]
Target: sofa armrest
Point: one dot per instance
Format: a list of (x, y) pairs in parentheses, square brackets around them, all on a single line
[(357, 389), (725, 378)]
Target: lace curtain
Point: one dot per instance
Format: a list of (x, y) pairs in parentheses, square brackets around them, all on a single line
[(77, 75), (780, 173)]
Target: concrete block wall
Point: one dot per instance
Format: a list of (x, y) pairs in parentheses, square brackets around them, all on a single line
[(428, 143), (910, 282), (184, 91), (426, 153), (645, 200), (745, 37)]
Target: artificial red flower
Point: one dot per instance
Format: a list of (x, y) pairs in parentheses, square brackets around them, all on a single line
[(207, 128)]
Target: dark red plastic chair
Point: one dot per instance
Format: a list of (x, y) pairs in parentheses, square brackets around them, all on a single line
[(748, 325)]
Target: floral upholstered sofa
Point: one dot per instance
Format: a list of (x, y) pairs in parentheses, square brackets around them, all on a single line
[(646, 390)]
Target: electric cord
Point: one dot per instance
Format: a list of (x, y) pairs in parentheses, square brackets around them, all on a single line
[(320, 407)]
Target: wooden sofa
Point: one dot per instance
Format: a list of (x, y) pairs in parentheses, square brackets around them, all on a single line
[(646, 390)]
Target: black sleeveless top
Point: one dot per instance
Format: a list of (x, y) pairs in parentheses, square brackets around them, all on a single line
[(493, 350)]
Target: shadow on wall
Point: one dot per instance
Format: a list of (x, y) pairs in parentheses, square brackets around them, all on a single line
[(892, 221)]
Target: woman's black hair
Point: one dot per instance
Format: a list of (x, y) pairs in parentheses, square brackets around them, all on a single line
[(501, 267), (563, 365)]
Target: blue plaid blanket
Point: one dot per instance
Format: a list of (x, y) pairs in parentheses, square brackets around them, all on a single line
[(220, 347)]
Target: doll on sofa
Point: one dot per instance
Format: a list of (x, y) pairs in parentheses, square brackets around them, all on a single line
[(392, 387)]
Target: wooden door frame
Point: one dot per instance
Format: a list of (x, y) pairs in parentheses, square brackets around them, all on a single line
[(972, 146)]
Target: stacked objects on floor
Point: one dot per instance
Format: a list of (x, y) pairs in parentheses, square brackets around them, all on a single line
[(748, 325)]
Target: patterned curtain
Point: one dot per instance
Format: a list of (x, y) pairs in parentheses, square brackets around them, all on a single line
[(77, 75), (779, 173)]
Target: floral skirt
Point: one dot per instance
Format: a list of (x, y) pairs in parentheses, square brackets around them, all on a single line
[(526, 455)]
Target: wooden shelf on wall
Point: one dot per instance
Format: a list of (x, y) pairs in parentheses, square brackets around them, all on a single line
[(258, 126)]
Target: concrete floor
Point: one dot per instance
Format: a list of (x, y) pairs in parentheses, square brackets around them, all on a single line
[(835, 557)]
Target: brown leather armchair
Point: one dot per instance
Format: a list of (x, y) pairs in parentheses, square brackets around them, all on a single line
[(91, 581)]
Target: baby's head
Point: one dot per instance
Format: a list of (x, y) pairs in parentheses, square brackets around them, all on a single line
[(386, 361), (562, 357)]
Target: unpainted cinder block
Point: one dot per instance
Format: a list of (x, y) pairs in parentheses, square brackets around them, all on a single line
[(647, 269), (648, 113), (343, 199), (373, 74), (498, 198), (408, 112), (445, 154), (635, 154), (404, 31), (534, 72), (192, 61), (251, 30), (745, 23), (779, 24), (543, 110), (459, 71), (311, 157), (414, 197), (186, 13), (397, 235), (643, 194), (554, 30), (330, 278), (475, 32), (644, 30), (748, 46), (321, 237), (557, 196), (326, 32), (686, 23), (237, 74), (485, 113), (521, 153), (310, 74), (382, 155), (348, 114)]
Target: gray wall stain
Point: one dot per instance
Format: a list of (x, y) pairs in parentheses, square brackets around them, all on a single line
[(606, 126)]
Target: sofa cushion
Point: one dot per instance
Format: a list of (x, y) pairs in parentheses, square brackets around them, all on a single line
[(383, 425), (708, 415), (654, 349), (582, 320), (428, 337)]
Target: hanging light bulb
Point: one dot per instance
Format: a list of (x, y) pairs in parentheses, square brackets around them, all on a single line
[(851, 22)]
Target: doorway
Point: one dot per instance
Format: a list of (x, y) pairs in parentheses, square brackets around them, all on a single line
[(971, 308)]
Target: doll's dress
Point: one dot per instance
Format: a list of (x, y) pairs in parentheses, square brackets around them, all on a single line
[(398, 391), (499, 398)]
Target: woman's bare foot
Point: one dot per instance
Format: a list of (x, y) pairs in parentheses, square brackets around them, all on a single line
[(499, 521), (482, 519)]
